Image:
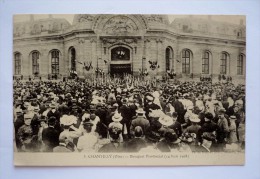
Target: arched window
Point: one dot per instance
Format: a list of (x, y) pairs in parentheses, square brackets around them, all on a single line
[(73, 59), (35, 63), (223, 63), (120, 53), (205, 63), (186, 57), (240, 62), (168, 58), (17, 64), (55, 62)]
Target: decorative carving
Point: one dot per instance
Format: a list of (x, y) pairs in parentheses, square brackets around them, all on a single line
[(118, 40), (120, 25), (159, 40), (85, 18), (147, 40), (93, 40), (20, 30), (81, 41), (155, 18), (35, 29)]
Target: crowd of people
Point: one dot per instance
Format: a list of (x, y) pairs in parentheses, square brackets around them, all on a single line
[(77, 116)]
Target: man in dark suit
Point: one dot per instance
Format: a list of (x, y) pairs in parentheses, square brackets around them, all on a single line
[(140, 121), (179, 108), (137, 143), (126, 114), (50, 136), (55, 113)]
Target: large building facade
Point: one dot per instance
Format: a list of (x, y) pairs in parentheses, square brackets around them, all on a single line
[(117, 44)]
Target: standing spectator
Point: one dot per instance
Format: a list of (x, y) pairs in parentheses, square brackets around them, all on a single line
[(88, 141), (140, 121), (232, 137), (50, 136), (223, 129), (55, 113), (137, 143), (25, 135)]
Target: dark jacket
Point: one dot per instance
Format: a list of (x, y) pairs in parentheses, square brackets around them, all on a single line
[(50, 138), (134, 145)]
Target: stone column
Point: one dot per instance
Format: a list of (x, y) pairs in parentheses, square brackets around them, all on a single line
[(178, 65), (147, 54), (93, 59), (160, 60), (80, 56)]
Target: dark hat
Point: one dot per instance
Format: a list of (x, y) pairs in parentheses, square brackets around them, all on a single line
[(208, 116), (174, 114), (222, 110), (87, 123), (52, 119), (171, 137), (43, 118)]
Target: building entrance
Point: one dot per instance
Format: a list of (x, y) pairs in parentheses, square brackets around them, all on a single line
[(120, 61), (119, 70)]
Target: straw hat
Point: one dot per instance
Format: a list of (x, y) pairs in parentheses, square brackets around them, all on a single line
[(166, 120), (140, 111), (68, 120), (194, 118), (117, 117)]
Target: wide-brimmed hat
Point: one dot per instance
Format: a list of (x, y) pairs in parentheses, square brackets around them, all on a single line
[(156, 113), (140, 111), (194, 118), (233, 117), (117, 117), (68, 120), (166, 120)]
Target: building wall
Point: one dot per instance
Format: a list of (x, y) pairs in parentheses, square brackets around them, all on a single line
[(150, 46)]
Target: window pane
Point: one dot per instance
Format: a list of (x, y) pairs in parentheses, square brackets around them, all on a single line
[(186, 62), (55, 62), (17, 64)]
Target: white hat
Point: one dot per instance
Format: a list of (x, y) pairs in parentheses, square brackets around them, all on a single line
[(233, 117), (194, 118), (140, 111), (166, 120), (150, 98), (68, 120), (156, 113), (117, 117)]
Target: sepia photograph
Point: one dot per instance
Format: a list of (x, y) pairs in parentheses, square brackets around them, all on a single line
[(129, 89)]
